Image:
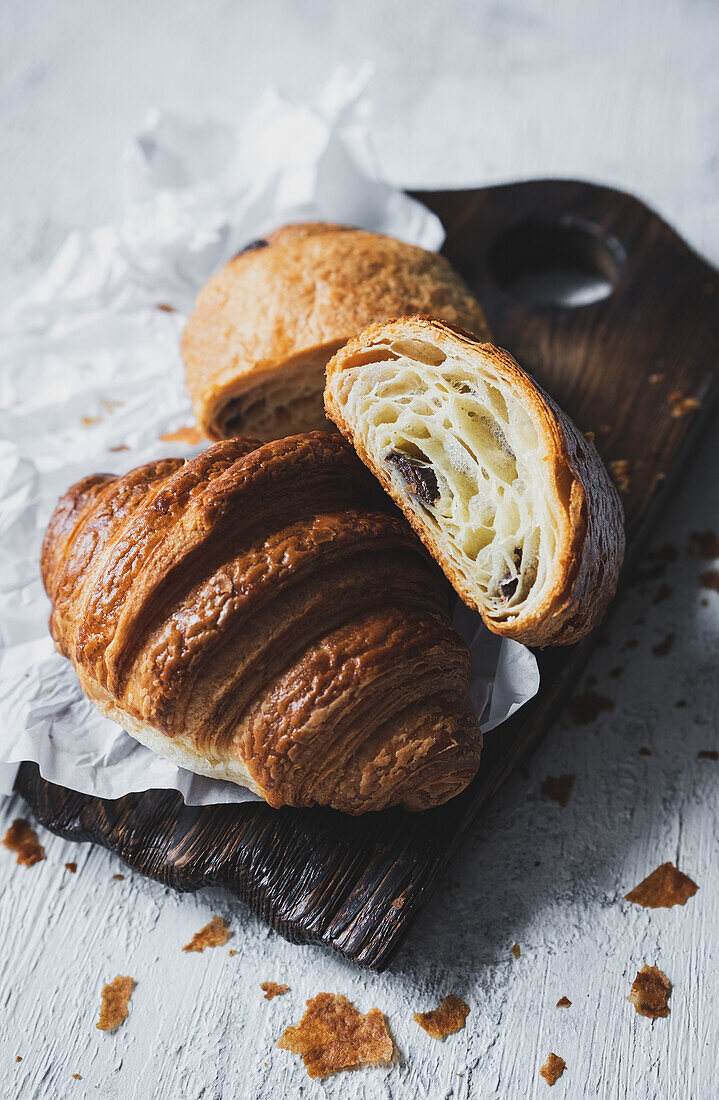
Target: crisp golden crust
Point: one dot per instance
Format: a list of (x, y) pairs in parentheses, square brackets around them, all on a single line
[(396, 389), (256, 347), (262, 614)]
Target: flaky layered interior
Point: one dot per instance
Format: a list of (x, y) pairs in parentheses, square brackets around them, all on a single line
[(458, 444), (284, 400)]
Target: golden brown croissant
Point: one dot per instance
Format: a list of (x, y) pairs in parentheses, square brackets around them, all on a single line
[(262, 614), (256, 346)]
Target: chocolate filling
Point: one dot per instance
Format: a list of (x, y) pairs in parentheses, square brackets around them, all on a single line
[(509, 586), (419, 477), (252, 246)]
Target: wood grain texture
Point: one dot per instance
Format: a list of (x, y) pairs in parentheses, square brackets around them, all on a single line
[(356, 887)]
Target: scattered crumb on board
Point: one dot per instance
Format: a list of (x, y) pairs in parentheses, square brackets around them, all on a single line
[(21, 838), (663, 888), (115, 998), (446, 1019), (650, 993), (214, 934), (332, 1035)]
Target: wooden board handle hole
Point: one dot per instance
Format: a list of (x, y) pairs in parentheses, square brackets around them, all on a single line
[(566, 263)]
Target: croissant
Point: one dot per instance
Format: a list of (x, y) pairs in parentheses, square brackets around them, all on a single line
[(262, 614), (506, 493), (256, 346)]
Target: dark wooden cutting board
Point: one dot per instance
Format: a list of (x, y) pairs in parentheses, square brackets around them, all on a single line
[(623, 367)]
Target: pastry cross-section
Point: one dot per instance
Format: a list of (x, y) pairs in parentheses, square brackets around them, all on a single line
[(508, 496)]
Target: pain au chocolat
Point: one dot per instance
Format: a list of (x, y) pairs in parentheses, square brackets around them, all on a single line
[(256, 346), (262, 614), (508, 496)]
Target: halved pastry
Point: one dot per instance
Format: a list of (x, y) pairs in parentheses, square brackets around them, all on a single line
[(257, 345), (509, 497), (263, 614)]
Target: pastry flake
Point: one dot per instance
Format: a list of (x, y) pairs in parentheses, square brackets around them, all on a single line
[(620, 470), (214, 934), (21, 838), (585, 708), (706, 542), (332, 1035), (664, 648), (710, 579), (558, 788), (115, 999), (189, 434), (273, 989), (564, 1002), (505, 492), (663, 888), (680, 406), (553, 1068), (446, 1019), (650, 993)]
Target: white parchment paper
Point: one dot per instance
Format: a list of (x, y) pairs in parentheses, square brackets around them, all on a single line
[(91, 377)]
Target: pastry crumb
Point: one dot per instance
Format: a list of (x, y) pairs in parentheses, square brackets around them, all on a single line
[(446, 1019), (115, 999), (77, 1076), (558, 788), (662, 593), (119, 878), (650, 993), (710, 579), (71, 867), (665, 887), (273, 989), (231, 952), (553, 1068), (189, 433), (214, 934), (679, 405), (706, 542), (664, 648), (564, 1002), (586, 708), (332, 1036), (516, 951), (21, 839), (620, 471), (165, 308)]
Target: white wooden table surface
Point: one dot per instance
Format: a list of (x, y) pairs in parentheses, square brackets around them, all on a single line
[(624, 92)]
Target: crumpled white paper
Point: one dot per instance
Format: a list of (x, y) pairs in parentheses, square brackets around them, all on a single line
[(91, 377)]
